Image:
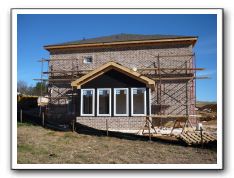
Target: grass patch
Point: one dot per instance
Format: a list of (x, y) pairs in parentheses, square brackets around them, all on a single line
[(70, 135), (37, 145), (25, 148), (20, 124)]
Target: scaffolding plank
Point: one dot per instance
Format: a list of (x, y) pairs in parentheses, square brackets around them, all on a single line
[(181, 78), (54, 79), (156, 68), (69, 71), (173, 116)]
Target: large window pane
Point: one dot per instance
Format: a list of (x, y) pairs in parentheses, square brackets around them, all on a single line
[(121, 101), (138, 98), (87, 101), (104, 101)]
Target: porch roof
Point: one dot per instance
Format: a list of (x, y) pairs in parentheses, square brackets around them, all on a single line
[(109, 66)]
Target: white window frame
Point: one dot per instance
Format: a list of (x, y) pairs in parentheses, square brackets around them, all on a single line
[(127, 102), (109, 89), (85, 57), (132, 104), (81, 102)]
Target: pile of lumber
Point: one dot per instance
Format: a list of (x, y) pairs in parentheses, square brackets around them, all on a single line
[(195, 138)]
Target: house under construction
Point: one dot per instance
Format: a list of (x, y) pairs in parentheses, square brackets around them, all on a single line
[(124, 79)]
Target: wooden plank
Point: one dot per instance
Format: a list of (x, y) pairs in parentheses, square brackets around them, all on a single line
[(180, 78), (196, 139), (199, 138), (54, 79), (210, 136), (155, 68), (67, 59), (68, 71), (185, 139), (207, 137), (196, 136), (174, 116)]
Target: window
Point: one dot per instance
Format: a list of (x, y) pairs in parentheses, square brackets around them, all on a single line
[(104, 102), (87, 102), (138, 97), (88, 59), (121, 102)]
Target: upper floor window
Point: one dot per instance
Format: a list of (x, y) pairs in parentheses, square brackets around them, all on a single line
[(88, 59)]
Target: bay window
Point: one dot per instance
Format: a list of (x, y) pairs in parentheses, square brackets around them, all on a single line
[(122, 103)]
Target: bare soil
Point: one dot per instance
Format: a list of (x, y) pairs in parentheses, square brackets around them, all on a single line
[(37, 145)]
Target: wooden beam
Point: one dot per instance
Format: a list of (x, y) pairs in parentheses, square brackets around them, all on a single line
[(181, 78), (173, 116), (68, 71), (171, 68), (112, 65), (53, 79), (70, 59), (57, 59)]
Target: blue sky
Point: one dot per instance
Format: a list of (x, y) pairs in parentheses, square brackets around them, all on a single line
[(35, 31)]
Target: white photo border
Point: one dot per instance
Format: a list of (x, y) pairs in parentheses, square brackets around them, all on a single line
[(218, 12)]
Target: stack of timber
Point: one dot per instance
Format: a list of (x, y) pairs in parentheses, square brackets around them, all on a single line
[(196, 138)]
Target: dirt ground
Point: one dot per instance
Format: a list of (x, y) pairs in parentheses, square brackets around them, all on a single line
[(39, 145), (208, 111)]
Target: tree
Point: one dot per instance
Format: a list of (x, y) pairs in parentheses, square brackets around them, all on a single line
[(22, 87), (40, 87)]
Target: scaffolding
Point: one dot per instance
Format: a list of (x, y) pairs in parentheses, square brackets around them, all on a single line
[(64, 71)]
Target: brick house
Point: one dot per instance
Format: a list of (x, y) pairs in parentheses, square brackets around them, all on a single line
[(122, 78)]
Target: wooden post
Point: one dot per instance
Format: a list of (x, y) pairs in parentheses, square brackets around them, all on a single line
[(201, 137), (149, 129), (40, 111), (73, 125), (43, 119), (173, 127), (21, 115), (107, 133)]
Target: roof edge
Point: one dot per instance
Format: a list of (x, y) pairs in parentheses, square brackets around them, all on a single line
[(193, 40)]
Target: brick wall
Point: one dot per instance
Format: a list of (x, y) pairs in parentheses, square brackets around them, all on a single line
[(130, 57), (114, 123)]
